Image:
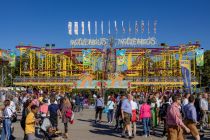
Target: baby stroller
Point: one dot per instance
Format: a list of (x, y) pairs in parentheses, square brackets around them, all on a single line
[(47, 131)]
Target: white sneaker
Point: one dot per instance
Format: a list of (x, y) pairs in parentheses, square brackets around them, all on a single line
[(145, 136)]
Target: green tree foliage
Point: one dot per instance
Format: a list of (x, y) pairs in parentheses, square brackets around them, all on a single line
[(206, 69)]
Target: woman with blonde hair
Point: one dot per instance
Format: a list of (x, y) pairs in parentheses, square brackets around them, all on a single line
[(66, 112)]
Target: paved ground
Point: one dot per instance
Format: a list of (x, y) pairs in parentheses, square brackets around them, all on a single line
[(85, 129)]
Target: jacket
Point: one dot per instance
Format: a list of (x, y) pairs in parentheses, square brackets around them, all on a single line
[(145, 111)]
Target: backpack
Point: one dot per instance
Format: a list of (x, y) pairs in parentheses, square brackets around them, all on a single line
[(163, 110)]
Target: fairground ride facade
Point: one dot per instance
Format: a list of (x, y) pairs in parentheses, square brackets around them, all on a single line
[(92, 68)]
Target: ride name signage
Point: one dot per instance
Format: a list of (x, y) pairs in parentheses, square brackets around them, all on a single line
[(119, 42)]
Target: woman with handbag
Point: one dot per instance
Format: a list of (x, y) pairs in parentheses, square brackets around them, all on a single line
[(66, 113), (110, 108), (7, 114)]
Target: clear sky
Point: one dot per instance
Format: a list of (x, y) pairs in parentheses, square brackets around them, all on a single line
[(45, 21)]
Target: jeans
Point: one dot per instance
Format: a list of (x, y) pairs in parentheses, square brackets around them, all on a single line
[(146, 123), (6, 130), (110, 115)]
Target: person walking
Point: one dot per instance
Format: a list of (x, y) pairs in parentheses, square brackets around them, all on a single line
[(54, 112), (118, 115), (110, 107), (6, 129), (191, 117), (99, 105), (174, 120), (204, 109), (77, 103), (145, 116), (126, 112), (163, 112), (66, 113), (134, 108), (197, 107)]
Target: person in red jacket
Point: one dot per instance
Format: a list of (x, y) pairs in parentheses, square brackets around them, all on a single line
[(145, 115)]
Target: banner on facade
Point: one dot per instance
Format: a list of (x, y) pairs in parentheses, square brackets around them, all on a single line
[(12, 57), (121, 58), (86, 57), (199, 57), (186, 74)]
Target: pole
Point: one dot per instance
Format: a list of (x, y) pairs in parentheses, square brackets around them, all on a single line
[(200, 78), (2, 75), (11, 77)]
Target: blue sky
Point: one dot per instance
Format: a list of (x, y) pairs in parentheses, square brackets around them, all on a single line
[(45, 21)]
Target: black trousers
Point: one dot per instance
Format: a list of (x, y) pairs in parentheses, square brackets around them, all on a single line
[(99, 111)]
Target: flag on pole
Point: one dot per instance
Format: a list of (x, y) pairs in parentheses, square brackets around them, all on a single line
[(136, 27), (109, 31), (186, 74), (96, 27), (102, 27), (148, 28), (89, 27), (70, 28), (123, 28), (115, 25), (142, 26), (129, 28), (76, 28), (83, 27), (155, 27)]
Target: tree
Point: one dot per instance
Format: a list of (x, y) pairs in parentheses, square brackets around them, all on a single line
[(206, 69)]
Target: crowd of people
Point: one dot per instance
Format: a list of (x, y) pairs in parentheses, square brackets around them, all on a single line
[(40, 112), (178, 113)]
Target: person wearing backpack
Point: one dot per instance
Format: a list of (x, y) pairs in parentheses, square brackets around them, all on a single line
[(54, 112), (163, 112)]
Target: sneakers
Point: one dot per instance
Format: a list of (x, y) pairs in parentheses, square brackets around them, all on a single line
[(145, 136)]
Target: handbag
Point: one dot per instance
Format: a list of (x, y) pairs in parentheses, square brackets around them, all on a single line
[(68, 113), (106, 110), (14, 117)]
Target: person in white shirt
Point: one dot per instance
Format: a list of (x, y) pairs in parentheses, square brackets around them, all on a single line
[(134, 108), (204, 109), (110, 107), (7, 114), (185, 101), (158, 104)]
